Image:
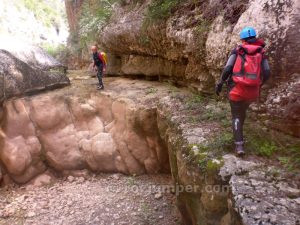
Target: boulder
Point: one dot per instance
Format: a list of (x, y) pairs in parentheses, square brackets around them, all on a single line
[(32, 55), (42, 179), (18, 78), (101, 153)]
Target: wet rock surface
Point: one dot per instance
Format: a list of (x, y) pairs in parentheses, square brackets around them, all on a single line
[(101, 199)]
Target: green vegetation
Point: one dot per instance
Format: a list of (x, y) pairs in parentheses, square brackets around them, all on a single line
[(267, 144), (94, 16), (292, 160), (144, 40), (55, 50), (203, 109), (273, 145), (201, 33), (207, 161), (151, 91), (194, 101), (265, 148), (50, 13), (161, 9)]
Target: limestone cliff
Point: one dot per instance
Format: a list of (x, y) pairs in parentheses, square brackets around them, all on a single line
[(191, 46)]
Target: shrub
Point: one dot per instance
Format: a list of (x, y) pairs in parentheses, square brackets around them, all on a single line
[(161, 9), (53, 50), (266, 149), (94, 15), (291, 158)]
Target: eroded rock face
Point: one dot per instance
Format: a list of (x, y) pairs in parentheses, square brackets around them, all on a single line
[(249, 182), (65, 134), (19, 78), (198, 42), (283, 106), (229, 190), (191, 47), (136, 127)]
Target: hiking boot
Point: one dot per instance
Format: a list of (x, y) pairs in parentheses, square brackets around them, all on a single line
[(239, 148), (100, 87)]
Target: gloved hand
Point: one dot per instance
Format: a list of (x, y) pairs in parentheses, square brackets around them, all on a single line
[(218, 88)]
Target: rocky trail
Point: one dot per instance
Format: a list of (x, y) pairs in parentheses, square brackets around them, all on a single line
[(102, 199)]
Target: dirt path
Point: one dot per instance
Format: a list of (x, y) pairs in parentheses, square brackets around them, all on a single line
[(102, 199)]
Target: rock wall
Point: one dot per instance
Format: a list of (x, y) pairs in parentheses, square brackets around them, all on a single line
[(69, 133), (137, 127), (28, 53), (225, 190), (176, 39), (73, 9), (191, 47)]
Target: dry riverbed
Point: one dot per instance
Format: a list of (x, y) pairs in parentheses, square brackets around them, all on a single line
[(102, 199)]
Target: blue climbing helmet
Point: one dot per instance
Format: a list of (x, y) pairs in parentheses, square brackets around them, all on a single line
[(247, 32)]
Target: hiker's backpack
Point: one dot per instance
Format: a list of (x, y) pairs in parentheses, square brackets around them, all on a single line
[(247, 73), (103, 57)]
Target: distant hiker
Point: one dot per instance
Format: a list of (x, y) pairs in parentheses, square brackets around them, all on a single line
[(247, 69), (99, 65)]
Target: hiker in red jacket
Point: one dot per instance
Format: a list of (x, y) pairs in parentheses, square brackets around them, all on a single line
[(99, 65), (247, 69)]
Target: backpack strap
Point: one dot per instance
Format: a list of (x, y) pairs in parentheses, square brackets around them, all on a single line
[(242, 53)]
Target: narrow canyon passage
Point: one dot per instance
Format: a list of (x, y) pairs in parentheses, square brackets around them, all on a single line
[(171, 115), (68, 189), (77, 155)]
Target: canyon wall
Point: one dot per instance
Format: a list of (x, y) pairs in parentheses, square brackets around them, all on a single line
[(139, 127), (191, 45), (196, 44), (68, 132)]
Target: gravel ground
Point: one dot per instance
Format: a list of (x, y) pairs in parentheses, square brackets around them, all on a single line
[(102, 199)]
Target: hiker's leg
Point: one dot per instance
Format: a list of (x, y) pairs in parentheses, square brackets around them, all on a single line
[(244, 112), (244, 109), (238, 117), (100, 75)]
